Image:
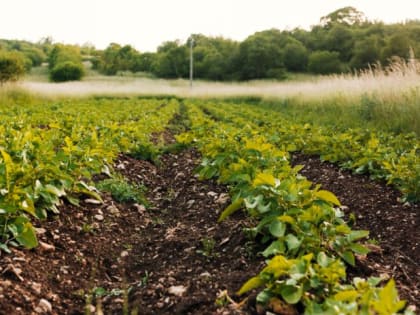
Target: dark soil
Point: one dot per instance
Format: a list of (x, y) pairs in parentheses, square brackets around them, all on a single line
[(173, 257), (376, 206), (170, 258)]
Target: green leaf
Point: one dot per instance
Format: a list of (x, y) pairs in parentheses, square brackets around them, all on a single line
[(328, 196), (357, 235), (5, 248), (25, 233), (275, 248), (348, 258), (322, 259), (235, 206), (291, 294), (252, 283), (292, 242), (277, 228), (359, 249), (264, 296)]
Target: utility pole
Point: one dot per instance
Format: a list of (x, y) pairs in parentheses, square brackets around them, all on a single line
[(191, 61)]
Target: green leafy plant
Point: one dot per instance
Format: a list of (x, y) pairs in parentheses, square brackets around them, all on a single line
[(208, 248), (122, 191)]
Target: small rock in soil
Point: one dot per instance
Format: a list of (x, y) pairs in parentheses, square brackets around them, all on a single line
[(177, 290), (93, 201), (44, 307), (99, 217), (46, 247)]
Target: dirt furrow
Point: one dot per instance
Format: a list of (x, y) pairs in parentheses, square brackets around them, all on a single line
[(187, 256)]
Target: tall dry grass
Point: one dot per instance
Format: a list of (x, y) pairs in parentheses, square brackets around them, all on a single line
[(397, 77)]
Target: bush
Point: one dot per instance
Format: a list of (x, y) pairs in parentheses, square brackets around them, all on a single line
[(67, 71), (325, 62), (12, 66)]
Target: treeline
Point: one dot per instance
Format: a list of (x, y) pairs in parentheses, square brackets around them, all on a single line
[(65, 62), (343, 41)]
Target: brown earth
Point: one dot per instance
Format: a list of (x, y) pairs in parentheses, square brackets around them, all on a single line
[(173, 257)]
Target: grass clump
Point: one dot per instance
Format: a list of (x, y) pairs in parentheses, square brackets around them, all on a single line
[(122, 191)]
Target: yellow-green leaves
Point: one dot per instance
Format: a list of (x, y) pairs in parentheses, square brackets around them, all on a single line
[(327, 196), (264, 179), (388, 302), (46, 151), (253, 283), (8, 163), (236, 205)]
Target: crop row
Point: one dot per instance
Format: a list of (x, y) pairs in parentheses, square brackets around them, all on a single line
[(308, 243), (384, 156), (50, 151)]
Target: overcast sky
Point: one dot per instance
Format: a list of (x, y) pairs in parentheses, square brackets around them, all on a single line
[(145, 24)]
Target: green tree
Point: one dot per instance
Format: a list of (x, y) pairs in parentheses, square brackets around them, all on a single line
[(340, 38), (12, 66), (344, 16), (366, 52), (213, 57), (143, 62), (261, 53), (61, 53), (325, 62), (172, 60), (296, 56), (398, 45)]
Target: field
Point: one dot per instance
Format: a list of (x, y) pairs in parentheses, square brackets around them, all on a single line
[(141, 196)]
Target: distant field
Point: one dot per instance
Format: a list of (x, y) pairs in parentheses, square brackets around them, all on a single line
[(306, 87)]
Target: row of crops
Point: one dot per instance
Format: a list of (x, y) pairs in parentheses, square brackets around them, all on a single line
[(308, 243), (50, 152)]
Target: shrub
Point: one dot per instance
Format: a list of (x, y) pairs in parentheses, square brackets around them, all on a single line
[(12, 66), (67, 71)]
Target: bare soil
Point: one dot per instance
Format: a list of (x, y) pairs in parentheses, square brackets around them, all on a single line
[(172, 257)]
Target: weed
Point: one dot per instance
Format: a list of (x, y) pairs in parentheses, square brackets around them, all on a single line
[(208, 248), (123, 191)]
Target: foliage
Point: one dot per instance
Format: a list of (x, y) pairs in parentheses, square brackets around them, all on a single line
[(122, 191), (345, 16), (62, 53), (117, 58), (324, 62), (50, 150), (67, 71), (65, 63), (308, 243), (11, 66), (295, 57), (272, 53)]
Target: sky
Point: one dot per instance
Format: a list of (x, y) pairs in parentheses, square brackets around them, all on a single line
[(145, 24)]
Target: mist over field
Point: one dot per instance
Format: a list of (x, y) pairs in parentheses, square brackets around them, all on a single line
[(309, 88)]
